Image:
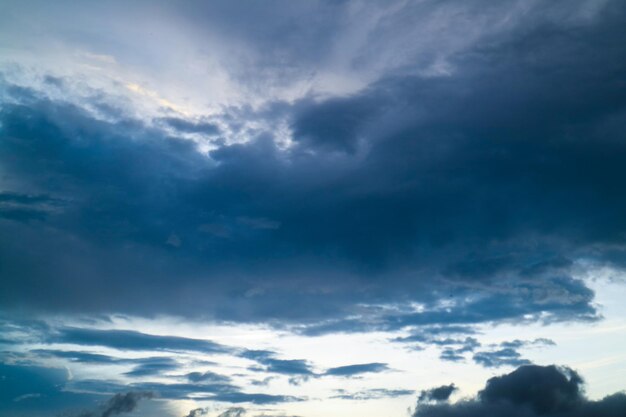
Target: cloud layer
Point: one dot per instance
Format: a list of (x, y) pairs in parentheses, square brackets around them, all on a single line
[(414, 185)]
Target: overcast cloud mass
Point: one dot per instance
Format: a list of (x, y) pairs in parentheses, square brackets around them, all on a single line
[(302, 208)]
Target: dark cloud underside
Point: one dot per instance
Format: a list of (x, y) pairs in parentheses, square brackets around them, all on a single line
[(530, 391), (483, 187)]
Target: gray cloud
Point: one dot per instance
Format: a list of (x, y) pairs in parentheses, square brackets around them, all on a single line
[(372, 394), (186, 126), (403, 192), (197, 412), (297, 367), (233, 412), (153, 366), (506, 353), (500, 357), (207, 376), (441, 393), (358, 369), (133, 340), (530, 391)]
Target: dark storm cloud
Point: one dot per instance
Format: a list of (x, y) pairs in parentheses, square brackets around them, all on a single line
[(333, 125), (358, 369), (481, 188), (530, 391), (527, 392)]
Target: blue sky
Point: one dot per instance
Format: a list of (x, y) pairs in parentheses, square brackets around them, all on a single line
[(314, 209)]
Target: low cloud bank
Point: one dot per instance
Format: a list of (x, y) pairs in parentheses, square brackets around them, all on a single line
[(529, 391)]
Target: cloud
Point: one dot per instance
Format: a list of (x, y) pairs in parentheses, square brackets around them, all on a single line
[(507, 353), (202, 390), (241, 397), (453, 349), (279, 366), (120, 404), (153, 366), (186, 126), (401, 193), (367, 171), (207, 376), (501, 357), (25, 208), (197, 412), (372, 394), (133, 340), (530, 391), (141, 366), (437, 394), (76, 356), (166, 390), (233, 412), (300, 370), (358, 369)]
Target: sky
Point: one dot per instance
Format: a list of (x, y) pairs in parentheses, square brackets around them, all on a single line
[(312, 208)]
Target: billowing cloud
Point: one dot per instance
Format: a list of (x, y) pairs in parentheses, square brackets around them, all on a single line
[(530, 391)]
